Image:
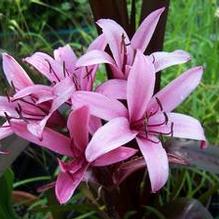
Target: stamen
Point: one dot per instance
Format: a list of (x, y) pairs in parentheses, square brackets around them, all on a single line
[(135, 52), (37, 106), (155, 142), (145, 126), (65, 70), (76, 82), (153, 59), (122, 42), (163, 133), (13, 87), (124, 49), (19, 112), (153, 113), (166, 117), (159, 103), (7, 117), (88, 73), (172, 124), (51, 70), (162, 123)]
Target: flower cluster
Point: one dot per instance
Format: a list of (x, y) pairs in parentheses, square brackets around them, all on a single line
[(102, 122)]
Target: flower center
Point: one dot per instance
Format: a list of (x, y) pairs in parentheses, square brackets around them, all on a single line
[(147, 128)]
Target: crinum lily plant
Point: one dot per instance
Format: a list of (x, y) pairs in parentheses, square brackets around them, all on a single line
[(115, 123)]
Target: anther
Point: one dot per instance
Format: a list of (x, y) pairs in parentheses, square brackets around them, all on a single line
[(153, 61), (7, 117), (65, 70), (88, 73), (51, 70)]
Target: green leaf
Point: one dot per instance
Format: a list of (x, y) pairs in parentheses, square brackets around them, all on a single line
[(6, 185)]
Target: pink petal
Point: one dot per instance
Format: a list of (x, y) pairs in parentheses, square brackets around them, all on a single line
[(50, 139), (100, 105), (164, 60), (15, 73), (86, 77), (78, 123), (140, 86), (94, 124), (37, 90), (144, 33), (177, 91), (47, 66), (112, 135), (66, 55), (71, 166), (61, 96), (8, 107), (115, 156), (98, 44), (94, 57), (67, 183), (113, 33), (157, 162), (183, 126), (114, 88), (5, 131)]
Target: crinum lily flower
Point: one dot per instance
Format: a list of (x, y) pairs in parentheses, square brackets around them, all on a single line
[(72, 146), (63, 65), (62, 72), (73, 172), (147, 118), (123, 51), (24, 109)]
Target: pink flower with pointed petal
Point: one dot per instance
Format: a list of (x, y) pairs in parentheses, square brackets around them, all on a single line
[(63, 65), (30, 102), (62, 72), (148, 117), (123, 50), (73, 172), (21, 109)]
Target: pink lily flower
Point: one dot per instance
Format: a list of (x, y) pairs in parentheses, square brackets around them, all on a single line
[(148, 117), (73, 172), (21, 109), (25, 105), (63, 65), (62, 72), (123, 50), (74, 146)]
